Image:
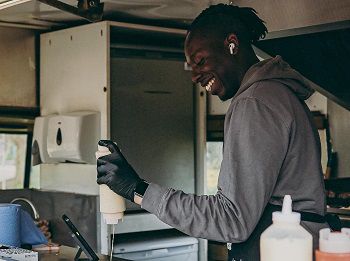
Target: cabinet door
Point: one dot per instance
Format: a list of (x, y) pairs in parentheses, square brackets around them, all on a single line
[(152, 119)]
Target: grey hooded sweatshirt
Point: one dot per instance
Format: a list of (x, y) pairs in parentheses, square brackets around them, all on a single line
[(271, 149)]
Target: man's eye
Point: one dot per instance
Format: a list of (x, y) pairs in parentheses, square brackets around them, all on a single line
[(201, 62)]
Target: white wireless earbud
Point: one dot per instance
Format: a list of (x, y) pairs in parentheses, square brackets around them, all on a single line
[(231, 46)]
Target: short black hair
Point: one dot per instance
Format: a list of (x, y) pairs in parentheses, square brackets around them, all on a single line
[(223, 19)]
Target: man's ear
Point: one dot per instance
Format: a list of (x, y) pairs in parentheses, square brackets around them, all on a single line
[(232, 39)]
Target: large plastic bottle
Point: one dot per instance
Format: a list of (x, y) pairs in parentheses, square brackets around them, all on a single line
[(334, 246), (112, 206), (286, 239)]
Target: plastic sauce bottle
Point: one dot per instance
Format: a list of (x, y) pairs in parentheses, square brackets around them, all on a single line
[(334, 246), (112, 206), (286, 239)]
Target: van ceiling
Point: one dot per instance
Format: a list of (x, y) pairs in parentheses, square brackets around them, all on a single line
[(313, 36), (167, 13)]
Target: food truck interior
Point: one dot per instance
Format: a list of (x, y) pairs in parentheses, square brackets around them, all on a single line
[(116, 69)]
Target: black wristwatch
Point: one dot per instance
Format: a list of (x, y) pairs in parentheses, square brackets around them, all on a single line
[(141, 188)]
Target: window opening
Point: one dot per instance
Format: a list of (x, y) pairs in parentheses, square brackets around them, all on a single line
[(13, 150), (213, 163)]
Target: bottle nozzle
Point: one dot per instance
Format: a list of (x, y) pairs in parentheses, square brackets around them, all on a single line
[(287, 214), (287, 205)]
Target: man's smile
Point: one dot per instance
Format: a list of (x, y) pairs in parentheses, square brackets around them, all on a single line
[(209, 84)]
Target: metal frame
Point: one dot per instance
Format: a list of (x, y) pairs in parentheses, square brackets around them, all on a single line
[(308, 30), (91, 10)]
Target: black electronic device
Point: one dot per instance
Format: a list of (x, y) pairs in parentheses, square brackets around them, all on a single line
[(83, 245)]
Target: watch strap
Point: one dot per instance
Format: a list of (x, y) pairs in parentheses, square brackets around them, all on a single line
[(141, 188)]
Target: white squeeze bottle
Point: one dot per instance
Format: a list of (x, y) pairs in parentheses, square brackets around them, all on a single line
[(286, 239), (112, 206)]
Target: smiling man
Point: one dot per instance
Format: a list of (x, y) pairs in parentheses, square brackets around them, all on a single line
[(271, 147), (218, 56)]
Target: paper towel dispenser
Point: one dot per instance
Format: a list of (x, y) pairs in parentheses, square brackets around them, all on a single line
[(39, 147), (70, 137)]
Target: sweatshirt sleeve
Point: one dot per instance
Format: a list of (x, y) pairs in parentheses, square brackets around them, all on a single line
[(256, 142)]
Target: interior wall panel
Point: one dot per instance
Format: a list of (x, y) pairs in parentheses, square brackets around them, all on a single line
[(17, 67), (339, 124), (74, 71)]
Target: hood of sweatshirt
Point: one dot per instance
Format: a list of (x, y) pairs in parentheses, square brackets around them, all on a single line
[(278, 70)]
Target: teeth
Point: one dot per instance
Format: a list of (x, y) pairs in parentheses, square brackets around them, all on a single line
[(210, 83)]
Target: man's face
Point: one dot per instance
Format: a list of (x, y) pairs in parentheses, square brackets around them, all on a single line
[(212, 65)]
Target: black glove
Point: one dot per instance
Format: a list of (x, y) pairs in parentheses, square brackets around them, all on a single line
[(114, 171)]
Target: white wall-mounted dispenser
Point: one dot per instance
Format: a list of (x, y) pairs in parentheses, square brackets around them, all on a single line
[(39, 147), (72, 137)]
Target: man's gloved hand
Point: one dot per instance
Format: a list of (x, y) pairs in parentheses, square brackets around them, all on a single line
[(114, 171)]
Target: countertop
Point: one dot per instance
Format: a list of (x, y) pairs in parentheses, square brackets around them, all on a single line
[(68, 254)]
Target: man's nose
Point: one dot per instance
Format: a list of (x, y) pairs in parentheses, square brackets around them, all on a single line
[(195, 76)]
